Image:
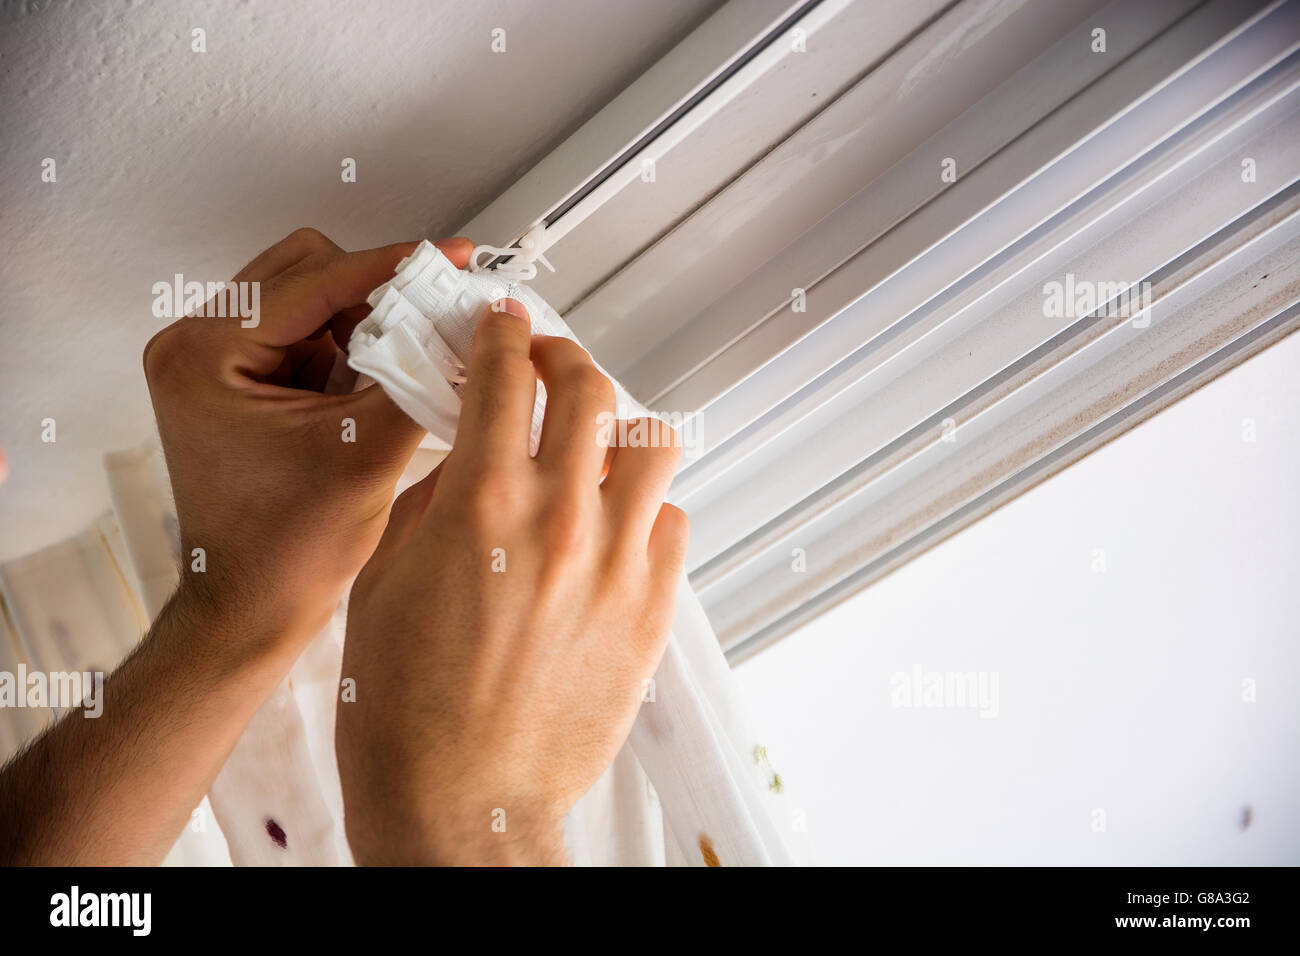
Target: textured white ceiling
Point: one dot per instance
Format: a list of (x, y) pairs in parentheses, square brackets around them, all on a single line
[(174, 161)]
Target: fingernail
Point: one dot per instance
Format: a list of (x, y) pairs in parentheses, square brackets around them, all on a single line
[(511, 307)]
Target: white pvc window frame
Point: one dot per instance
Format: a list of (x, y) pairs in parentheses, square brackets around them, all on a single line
[(830, 429)]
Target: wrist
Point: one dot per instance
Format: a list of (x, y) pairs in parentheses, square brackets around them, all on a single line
[(235, 628), (385, 835), (508, 840)]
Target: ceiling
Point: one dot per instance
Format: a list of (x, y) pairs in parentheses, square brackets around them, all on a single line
[(169, 161)]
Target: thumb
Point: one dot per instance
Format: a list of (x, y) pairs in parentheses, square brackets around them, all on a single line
[(388, 432)]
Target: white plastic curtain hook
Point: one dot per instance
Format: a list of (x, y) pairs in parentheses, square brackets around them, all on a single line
[(522, 264)]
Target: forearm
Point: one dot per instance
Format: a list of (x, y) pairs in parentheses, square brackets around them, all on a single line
[(118, 789)]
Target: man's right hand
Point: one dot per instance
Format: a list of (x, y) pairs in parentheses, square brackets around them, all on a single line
[(501, 636)]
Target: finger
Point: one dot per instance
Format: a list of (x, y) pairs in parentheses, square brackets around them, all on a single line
[(307, 365), (457, 249), (500, 389), (288, 252), (579, 408), (344, 324), (669, 537), (388, 435), (639, 476), (291, 251), (296, 303)]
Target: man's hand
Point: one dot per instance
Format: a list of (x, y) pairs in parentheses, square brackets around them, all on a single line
[(503, 632), (286, 510)]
